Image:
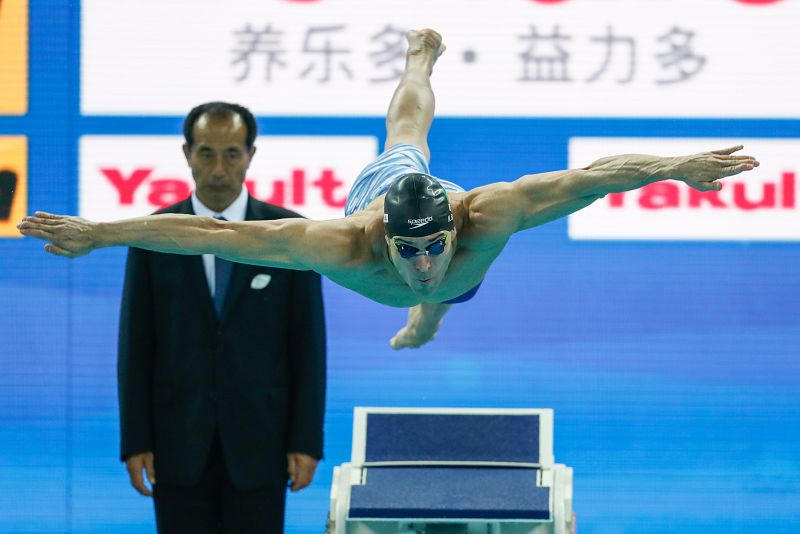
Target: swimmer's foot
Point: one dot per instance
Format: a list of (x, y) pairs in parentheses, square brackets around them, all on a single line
[(425, 46)]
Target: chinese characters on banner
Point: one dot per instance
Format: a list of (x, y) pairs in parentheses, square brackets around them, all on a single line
[(575, 58), (544, 55)]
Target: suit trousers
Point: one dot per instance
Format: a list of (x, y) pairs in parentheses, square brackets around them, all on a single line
[(215, 506)]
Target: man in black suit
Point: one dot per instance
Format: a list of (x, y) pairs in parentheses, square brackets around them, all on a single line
[(221, 365)]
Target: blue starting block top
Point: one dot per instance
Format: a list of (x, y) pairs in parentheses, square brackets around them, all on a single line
[(443, 493), (452, 438)]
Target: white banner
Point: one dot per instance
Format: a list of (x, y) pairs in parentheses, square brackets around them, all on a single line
[(757, 205), (128, 176), (606, 58)]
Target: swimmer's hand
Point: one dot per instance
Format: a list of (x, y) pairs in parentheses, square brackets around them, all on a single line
[(410, 338), (67, 236), (423, 323), (701, 171)]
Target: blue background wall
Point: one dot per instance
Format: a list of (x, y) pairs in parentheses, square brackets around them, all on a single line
[(672, 367)]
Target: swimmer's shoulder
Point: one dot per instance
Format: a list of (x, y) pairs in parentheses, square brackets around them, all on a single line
[(462, 205), (345, 243), (476, 225), (376, 205)]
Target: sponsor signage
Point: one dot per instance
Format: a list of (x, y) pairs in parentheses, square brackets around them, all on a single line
[(128, 176), (13, 183), (570, 58), (13, 57), (760, 205)]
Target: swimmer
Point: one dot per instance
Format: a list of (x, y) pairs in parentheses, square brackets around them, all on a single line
[(408, 239)]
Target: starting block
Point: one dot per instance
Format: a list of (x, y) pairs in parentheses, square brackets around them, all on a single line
[(453, 471)]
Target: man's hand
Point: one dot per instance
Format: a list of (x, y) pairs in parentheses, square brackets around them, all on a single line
[(301, 469), (701, 171), (68, 236), (423, 323), (137, 463)]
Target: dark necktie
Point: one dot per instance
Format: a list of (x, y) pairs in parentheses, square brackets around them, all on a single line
[(222, 277)]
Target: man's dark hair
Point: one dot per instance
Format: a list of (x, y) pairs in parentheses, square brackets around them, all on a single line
[(220, 110)]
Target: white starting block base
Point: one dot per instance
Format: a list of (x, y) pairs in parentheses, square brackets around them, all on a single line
[(451, 471)]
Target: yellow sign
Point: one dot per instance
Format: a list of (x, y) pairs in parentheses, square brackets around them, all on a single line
[(13, 183), (13, 57)]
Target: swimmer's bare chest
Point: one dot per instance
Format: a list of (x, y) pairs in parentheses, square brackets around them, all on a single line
[(375, 277), (380, 282)]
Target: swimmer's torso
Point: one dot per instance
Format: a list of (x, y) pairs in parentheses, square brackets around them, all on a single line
[(372, 274)]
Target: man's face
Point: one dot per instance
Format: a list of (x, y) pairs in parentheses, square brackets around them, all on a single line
[(219, 159), (423, 269)]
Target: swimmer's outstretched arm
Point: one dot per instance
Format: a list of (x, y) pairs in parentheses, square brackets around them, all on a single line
[(505, 208), (298, 244)]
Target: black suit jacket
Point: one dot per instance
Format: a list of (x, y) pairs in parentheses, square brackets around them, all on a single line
[(257, 374)]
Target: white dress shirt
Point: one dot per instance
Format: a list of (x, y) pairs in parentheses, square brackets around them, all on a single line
[(236, 212)]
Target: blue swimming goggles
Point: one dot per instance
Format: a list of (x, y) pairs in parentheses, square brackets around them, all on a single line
[(407, 251)]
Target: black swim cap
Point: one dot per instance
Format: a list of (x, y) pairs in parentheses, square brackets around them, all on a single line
[(416, 205)]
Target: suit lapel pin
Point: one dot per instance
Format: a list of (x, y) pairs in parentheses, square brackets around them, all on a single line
[(260, 281)]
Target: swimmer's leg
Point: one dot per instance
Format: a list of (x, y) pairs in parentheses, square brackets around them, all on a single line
[(411, 109)]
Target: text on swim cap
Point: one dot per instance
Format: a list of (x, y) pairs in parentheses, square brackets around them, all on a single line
[(421, 222)]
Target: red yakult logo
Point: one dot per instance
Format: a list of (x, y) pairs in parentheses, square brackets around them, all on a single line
[(161, 192), (780, 194), (756, 205), (128, 176)]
